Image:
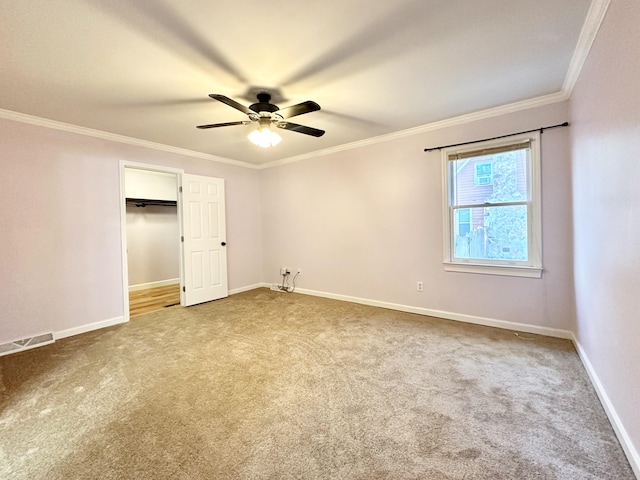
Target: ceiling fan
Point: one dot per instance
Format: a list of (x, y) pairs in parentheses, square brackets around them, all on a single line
[(266, 114)]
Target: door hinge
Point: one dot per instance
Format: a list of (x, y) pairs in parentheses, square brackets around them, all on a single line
[(182, 238), (184, 289), (180, 189)]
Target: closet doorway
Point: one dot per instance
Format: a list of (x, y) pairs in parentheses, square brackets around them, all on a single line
[(153, 240), (173, 228)]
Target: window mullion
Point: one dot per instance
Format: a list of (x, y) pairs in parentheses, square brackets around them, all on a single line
[(487, 205)]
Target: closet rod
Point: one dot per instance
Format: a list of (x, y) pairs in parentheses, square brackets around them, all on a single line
[(143, 202), (541, 130)]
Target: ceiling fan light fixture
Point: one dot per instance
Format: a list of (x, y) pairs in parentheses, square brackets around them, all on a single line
[(267, 114), (264, 137)]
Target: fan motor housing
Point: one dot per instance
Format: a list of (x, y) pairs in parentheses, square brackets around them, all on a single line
[(263, 104)]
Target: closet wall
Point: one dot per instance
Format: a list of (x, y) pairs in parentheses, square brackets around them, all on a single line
[(153, 231)]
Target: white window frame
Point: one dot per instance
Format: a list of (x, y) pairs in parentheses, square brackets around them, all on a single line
[(531, 268)]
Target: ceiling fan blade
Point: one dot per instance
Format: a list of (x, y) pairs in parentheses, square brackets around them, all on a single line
[(294, 127), (228, 124), (299, 109), (231, 103)]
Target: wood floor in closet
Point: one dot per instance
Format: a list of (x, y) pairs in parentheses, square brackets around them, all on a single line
[(152, 299)]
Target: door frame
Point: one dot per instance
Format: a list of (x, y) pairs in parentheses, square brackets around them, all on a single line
[(123, 224)]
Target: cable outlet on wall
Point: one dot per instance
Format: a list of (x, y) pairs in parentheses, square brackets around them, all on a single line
[(420, 286)]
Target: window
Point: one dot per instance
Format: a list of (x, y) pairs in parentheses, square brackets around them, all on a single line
[(483, 173), (492, 207)]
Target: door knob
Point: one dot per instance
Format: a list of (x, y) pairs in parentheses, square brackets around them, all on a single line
[(223, 243)]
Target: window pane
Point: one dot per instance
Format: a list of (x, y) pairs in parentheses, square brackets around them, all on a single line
[(493, 233), (464, 215), (462, 221), (496, 178)]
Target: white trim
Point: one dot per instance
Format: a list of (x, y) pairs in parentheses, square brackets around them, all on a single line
[(90, 132), (623, 437), (504, 270), (159, 283), (459, 317), (450, 122), (595, 16), (150, 167), (235, 291), (88, 327), (123, 240)]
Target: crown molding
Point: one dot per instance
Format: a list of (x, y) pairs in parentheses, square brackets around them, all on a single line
[(590, 28), (450, 122), (90, 132)]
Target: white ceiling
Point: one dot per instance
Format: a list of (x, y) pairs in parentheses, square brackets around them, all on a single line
[(144, 68)]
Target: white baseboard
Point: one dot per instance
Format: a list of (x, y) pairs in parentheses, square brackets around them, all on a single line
[(88, 327), (623, 437), (246, 288), (460, 317), (160, 283)]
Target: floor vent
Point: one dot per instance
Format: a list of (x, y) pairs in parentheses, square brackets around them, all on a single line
[(26, 344)]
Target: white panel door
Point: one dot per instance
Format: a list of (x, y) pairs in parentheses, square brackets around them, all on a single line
[(204, 246)]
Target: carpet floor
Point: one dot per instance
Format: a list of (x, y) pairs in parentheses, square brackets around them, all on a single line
[(268, 385)]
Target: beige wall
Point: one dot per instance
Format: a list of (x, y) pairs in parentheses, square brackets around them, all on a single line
[(605, 110), (367, 223)]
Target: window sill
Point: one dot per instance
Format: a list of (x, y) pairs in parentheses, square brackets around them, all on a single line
[(505, 270)]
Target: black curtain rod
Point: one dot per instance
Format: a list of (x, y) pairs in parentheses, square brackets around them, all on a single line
[(541, 129)]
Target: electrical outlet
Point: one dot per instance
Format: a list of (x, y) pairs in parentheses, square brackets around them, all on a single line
[(420, 286), (283, 270)]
